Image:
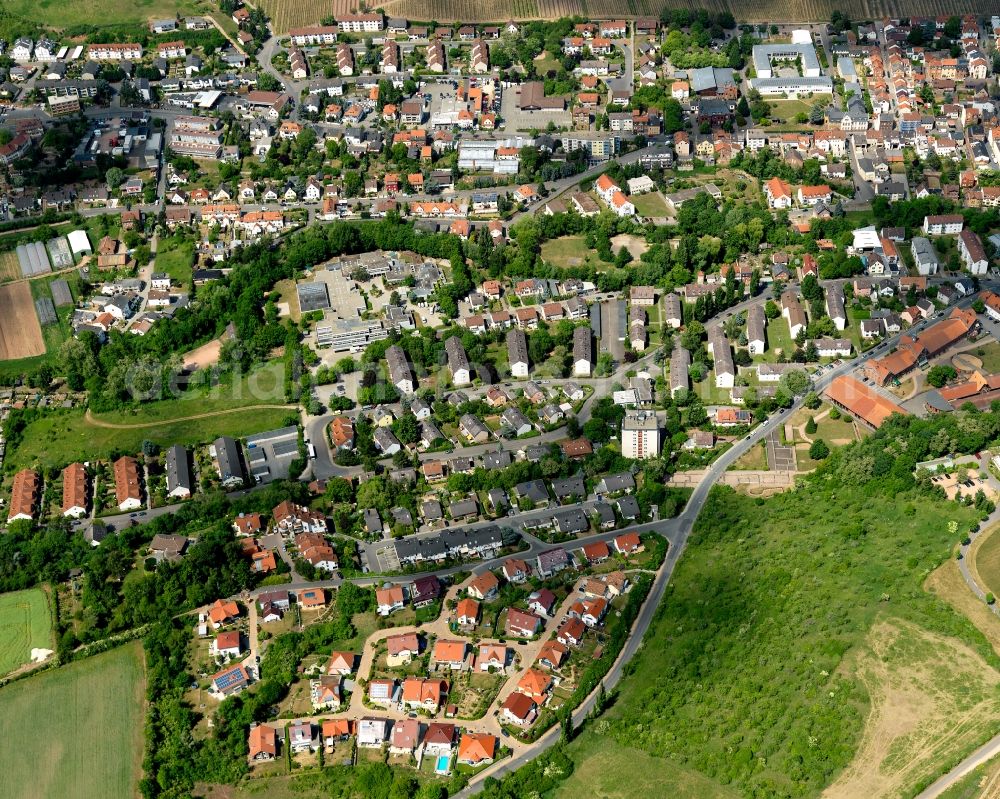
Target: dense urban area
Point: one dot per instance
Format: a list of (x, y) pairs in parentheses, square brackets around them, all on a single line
[(580, 407)]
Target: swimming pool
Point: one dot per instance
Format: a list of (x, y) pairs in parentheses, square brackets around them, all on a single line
[(441, 767)]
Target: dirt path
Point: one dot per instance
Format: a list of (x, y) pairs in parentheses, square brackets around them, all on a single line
[(89, 417), (801, 429)]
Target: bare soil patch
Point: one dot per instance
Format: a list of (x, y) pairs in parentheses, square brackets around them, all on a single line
[(933, 699), (20, 332)]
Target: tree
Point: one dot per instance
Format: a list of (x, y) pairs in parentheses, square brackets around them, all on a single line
[(938, 375), (812, 401), (795, 382), (811, 426), (771, 309), (114, 177), (818, 450)]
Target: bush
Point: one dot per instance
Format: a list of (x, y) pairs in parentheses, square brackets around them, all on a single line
[(834, 414), (819, 450), (990, 599)]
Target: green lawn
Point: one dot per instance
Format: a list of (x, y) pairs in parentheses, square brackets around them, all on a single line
[(649, 204), (175, 256), (778, 338), (25, 623), (88, 720), (990, 354), (784, 111), (570, 251)]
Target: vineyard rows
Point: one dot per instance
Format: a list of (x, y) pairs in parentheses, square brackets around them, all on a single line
[(287, 14)]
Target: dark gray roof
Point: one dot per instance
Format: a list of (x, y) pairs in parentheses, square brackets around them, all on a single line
[(628, 506), (569, 487), (571, 520), (227, 453), (616, 482), (605, 513), (402, 516), (533, 490), (178, 469)]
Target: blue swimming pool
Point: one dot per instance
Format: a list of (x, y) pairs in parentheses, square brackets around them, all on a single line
[(442, 764)]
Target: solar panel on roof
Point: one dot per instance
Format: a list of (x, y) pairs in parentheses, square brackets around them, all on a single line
[(229, 678)]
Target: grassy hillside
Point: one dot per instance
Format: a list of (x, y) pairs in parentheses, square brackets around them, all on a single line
[(796, 649)]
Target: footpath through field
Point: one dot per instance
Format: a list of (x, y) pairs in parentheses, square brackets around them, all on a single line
[(89, 417)]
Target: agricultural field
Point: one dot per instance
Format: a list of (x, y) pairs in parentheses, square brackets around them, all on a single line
[(88, 719), (20, 333), (25, 624), (287, 14), (10, 269)]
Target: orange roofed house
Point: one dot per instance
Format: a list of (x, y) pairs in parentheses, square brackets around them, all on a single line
[(861, 401), (74, 502), (476, 748), (913, 352), (24, 495), (128, 493), (222, 612), (449, 655), (262, 743)]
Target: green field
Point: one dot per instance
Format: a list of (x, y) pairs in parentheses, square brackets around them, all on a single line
[(783, 112), (25, 624), (264, 386), (778, 338), (64, 13), (175, 256), (649, 204), (610, 770), (88, 720), (570, 251)]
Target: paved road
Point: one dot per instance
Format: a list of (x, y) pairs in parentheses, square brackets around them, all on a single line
[(984, 753)]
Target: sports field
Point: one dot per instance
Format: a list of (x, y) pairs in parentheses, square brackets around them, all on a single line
[(75, 732), (20, 333), (25, 624)]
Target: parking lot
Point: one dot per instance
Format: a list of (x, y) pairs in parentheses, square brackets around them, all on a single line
[(385, 558), (515, 119)]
